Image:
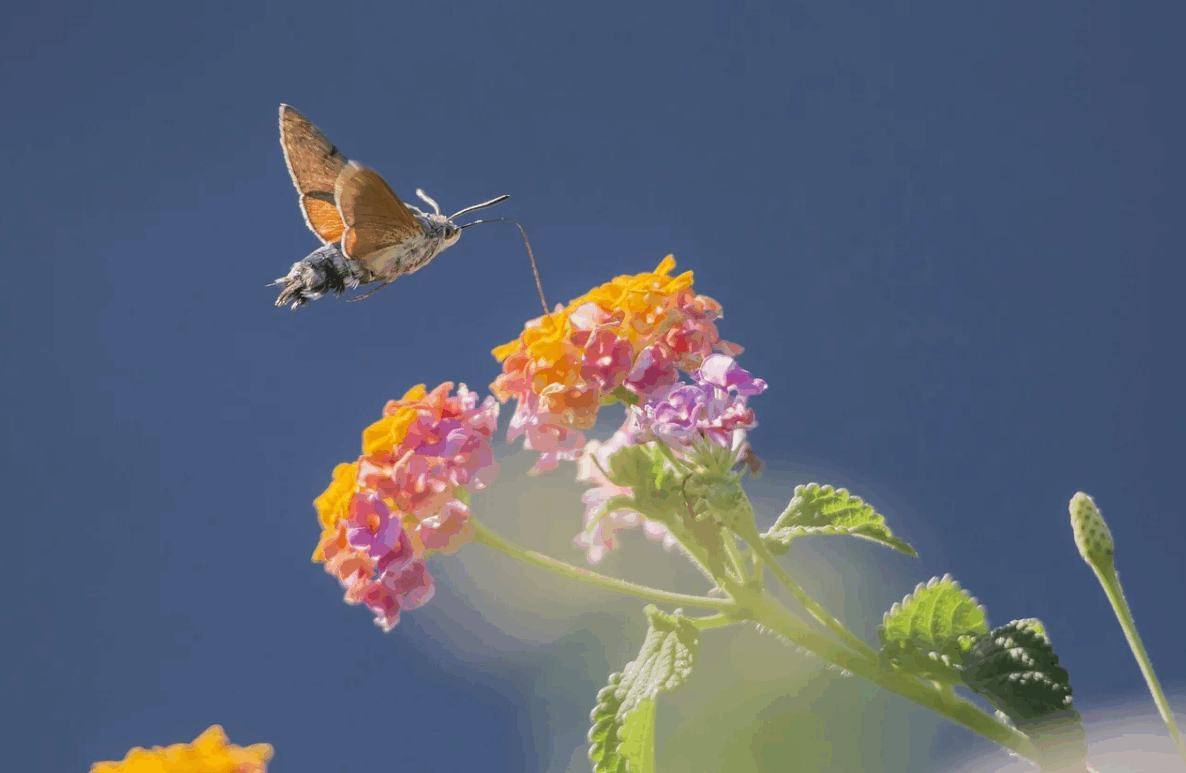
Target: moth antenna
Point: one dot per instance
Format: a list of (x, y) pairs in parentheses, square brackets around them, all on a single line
[(476, 207), (431, 203), (534, 268), (369, 294)]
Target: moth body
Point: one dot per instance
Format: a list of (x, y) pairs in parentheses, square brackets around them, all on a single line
[(368, 234), (437, 234), (325, 270)]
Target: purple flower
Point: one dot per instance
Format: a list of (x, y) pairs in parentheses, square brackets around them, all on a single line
[(713, 407), (677, 415), (723, 372)]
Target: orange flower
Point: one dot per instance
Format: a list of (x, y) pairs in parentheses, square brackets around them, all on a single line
[(565, 365), (389, 432), (209, 753), (333, 505)]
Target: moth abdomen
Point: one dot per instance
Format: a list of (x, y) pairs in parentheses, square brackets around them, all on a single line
[(325, 270)]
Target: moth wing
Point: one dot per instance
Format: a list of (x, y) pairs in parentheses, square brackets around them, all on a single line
[(374, 216), (314, 164)]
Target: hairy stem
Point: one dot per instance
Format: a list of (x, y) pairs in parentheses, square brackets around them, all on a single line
[(491, 539)]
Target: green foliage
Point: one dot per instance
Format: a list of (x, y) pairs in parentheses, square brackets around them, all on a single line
[(635, 467), (638, 738), (653, 483), (1015, 668), (605, 736), (930, 631), (664, 661), (816, 509), (622, 736)]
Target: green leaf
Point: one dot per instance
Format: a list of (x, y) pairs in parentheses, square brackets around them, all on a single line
[(817, 509), (634, 466), (664, 661), (655, 486), (929, 631), (638, 738), (622, 738), (1015, 668), (605, 736)]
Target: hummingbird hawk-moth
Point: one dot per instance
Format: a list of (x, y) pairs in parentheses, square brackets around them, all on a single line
[(368, 234)]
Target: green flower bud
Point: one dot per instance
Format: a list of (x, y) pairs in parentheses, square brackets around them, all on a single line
[(1092, 535)]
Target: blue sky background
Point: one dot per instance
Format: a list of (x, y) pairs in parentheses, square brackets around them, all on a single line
[(950, 239)]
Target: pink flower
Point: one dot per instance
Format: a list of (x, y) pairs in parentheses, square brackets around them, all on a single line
[(635, 331), (546, 433), (653, 372), (449, 529), (606, 361), (380, 600), (413, 587), (401, 499)]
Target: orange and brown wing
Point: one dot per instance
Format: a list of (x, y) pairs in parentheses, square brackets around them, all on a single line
[(314, 164), (374, 216)]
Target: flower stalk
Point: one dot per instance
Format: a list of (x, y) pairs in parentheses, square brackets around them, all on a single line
[(1094, 540), (484, 535)]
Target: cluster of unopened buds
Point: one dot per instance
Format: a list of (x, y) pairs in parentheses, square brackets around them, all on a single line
[(627, 341)]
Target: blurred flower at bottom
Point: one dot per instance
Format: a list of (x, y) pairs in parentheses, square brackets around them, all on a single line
[(209, 753)]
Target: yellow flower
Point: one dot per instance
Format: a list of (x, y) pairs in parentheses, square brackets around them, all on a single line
[(550, 357), (388, 432), (209, 753), (334, 503), (639, 306)]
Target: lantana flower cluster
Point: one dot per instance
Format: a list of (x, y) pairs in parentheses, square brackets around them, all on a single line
[(209, 753), (405, 497), (626, 340)]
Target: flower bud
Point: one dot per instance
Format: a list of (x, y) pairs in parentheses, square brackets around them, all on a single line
[(1092, 535)]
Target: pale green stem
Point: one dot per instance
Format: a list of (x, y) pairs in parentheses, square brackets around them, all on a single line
[(812, 606), (489, 538), (767, 611), (1106, 572), (734, 556), (713, 621), (759, 574), (679, 464)]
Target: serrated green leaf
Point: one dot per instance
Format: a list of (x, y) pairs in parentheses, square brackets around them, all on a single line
[(622, 736), (1015, 668), (605, 736), (664, 661), (823, 510), (638, 738), (929, 631)]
